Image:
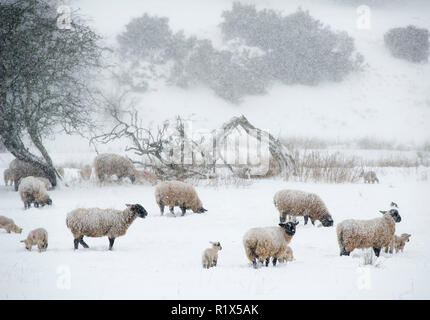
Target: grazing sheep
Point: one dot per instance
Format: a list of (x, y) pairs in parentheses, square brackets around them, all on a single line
[(21, 169), (263, 243), (96, 222), (37, 237), (85, 172), (32, 190), (369, 177), (398, 243), (287, 255), (300, 203), (375, 233), (9, 225), (108, 164), (45, 182), (8, 177), (177, 193), (210, 255)]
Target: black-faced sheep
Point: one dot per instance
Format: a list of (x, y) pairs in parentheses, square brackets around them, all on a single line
[(177, 193), (369, 177), (375, 233), (108, 164), (299, 203), (32, 190), (210, 255), (263, 243), (9, 225), (96, 222), (37, 237), (398, 243)]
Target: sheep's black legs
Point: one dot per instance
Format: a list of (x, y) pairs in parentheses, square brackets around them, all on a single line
[(274, 261), (171, 210), (313, 221), (76, 243), (377, 251), (111, 241), (161, 208), (306, 219), (183, 210), (343, 252), (267, 261), (82, 242)]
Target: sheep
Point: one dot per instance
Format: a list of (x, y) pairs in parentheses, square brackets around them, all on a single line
[(300, 203), (45, 182), (8, 177), (177, 193), (398, 243), (32, 190), (85, 172), (263, 243), (9, 225), (210, 255), (96, 222), (287, 255), (369, 177), (37, 237), (375, 233), (21, 169), (108, 164)]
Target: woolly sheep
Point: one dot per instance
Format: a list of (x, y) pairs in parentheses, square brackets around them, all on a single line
[(45, 182), (108, 164), (96, 222), (37, 237), (21, 169), (32, 190), (9, 225), (85, 172), (398, 243), (287, 255), (8, 177), (375, 233), (263, 243), (177, 193), (300, 203), (369, 177), (210, 255)]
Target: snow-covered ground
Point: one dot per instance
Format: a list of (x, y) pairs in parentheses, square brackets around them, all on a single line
[(160, 256)]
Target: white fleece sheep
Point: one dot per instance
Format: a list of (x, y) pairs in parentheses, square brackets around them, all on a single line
[(375, 233), (369, 177), (177, 193), (299, 203), (398, 243), (9, 225), (96, 222), (37, 237), (263, 243), (108, 164), (8, 177), (45, 181), (32, 190), (210, 255)]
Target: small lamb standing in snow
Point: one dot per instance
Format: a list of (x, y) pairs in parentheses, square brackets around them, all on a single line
[(398, 243), (37, 237), (369, 177), (287, 255), (375, 233), (177, 193), (8, 177), (210, 255), (32, 190), (299, 203), (9, 225), (108, 164), (263, 243), (96, 222)]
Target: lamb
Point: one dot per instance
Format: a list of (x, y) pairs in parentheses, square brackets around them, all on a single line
[(210, 255), (263, 243), (300, 203), (9, 225), (375, 233), (8, 177), (37, 237), (32, 190), (45, 182), (108, 164), (96, 222), (177, 193), (287, 255), (398, 243), (369, 177)]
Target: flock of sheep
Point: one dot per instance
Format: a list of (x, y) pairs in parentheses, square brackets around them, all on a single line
[(261, 244)]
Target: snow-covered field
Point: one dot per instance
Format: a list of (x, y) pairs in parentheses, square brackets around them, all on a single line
[(160, 256)]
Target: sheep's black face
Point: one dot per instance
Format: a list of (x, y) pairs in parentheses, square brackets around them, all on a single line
[(395, 214), (327, 221), (138, 209), (49, 202), (289, 227), (201, 210), (132, 178)]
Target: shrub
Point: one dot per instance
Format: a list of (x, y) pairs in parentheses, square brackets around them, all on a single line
[(410, 43)]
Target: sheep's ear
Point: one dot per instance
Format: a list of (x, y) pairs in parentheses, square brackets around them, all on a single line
[(383, 212), (128, 205), (296, 223), (282, 224)]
